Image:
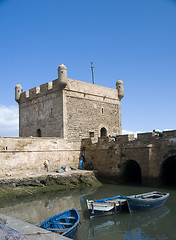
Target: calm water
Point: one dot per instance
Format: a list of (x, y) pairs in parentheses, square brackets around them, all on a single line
[(156, 224)]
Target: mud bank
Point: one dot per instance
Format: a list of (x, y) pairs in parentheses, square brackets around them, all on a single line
[(31, 185)]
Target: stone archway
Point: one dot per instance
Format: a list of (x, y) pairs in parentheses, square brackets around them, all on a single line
[(131, 172), (168, 171), (103, 132)]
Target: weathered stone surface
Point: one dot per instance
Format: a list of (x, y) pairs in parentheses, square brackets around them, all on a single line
[(25, 231), (9, 233), (26, 156), (148, 150), (60, 181), (73, 110)]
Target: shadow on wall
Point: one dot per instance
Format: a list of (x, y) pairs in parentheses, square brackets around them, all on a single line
[(168, 171), (130, 172)]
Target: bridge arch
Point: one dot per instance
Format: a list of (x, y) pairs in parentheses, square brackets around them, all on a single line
[(168, 171), (131, 172)]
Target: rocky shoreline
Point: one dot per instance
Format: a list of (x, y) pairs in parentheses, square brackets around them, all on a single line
[(36, 184)]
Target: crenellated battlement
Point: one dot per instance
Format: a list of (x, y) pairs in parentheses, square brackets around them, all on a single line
[(169, 133), (64, 83), (35, 92), (69, 108), (75, 86), (44, 88), (142, 139), (124, 138), (146, 137)]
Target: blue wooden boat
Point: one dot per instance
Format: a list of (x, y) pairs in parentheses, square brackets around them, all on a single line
[(64, 223), (106, 206), (146, 201)]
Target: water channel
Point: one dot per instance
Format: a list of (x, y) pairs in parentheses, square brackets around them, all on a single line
[(155, 224)]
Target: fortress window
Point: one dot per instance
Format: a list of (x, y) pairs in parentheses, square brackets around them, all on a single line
[(91, 134), (102, 110), (103, 132), (39, 134), (51, 111)]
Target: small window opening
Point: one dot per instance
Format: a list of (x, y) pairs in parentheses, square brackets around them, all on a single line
[(51, 111), (102, 110), (6, 148), (91, 134), (39, 134)]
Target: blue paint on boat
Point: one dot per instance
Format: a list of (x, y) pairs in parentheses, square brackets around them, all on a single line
[(146, 201), (65, 223)]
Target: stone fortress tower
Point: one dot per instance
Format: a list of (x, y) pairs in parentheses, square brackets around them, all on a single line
[(69, 109)]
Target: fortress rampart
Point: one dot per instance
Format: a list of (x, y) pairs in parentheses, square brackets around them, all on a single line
[(149, 158), (26, 156)]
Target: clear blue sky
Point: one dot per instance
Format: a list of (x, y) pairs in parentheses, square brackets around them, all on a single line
[(134, 40)]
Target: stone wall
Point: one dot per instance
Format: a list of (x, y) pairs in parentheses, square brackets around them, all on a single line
[(25, 156), (109, 156), (148, 151), (86, 117), (89, 108), (76, 111), (41, 112)]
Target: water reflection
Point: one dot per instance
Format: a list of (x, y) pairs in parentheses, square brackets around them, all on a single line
[(139, 234), (146, 218), (132, 225), (156, 224)]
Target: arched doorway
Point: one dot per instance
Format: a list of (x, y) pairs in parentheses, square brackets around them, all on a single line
[(39, 134), (168, 171), (131, 172), (103, 132)]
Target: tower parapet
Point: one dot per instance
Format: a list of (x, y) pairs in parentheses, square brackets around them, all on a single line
[(62, 75), (35, 92), (120, 89), (18, 91)]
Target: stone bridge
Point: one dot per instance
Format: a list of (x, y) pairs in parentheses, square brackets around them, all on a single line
[(149, 159)]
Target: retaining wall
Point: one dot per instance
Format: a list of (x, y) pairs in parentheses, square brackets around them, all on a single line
[(26, 156)]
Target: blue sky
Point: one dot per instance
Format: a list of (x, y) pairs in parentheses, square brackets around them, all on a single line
[(132, 40)]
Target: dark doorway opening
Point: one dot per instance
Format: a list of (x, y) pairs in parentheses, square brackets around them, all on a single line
[(39, 134), (103, 132), (168, 171), (131, 172)]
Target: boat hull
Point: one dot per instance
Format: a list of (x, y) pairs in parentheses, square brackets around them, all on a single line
[(106, 206), (142, 202), (65, 223)]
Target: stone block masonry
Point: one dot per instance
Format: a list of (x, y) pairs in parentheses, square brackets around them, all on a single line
[(26, 156), (69, 109), (149, 158)]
